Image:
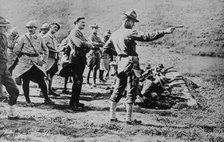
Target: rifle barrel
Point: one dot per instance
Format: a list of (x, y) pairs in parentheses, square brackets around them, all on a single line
[(177, 26)]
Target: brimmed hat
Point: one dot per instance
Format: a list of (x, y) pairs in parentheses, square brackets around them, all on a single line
[(45, 26), (3, 22), (132, 15), (31, 24)]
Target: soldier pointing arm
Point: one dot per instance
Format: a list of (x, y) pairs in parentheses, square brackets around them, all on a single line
[(123, 43)]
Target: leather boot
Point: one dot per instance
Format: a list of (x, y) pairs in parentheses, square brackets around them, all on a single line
[(129, 109), (113, 106), (12, 113)]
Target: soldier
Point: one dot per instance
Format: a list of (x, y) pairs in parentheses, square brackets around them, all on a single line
[(66, 71), (124, 42), (105, 58), (5, 76), (79, 47), (12, 58), (33, 55), (44, 29), (94, 54), (52, 61)]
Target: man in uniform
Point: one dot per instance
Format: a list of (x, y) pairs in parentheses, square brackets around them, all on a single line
[(12, 40), (124, 42), (44, 29), (52, 61), (33, 55), (79, 47), (5, 76), (94, 54)]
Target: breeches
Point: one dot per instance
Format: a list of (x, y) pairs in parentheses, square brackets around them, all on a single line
[(8, 82)]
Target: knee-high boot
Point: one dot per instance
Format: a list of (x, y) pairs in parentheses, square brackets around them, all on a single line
[(129, 109), (113, 106)]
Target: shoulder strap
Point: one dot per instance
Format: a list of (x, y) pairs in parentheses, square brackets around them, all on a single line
[(31, 44)]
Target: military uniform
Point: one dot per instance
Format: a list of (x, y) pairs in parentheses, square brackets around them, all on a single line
[(51, 42), (124, 42), (12, 58), (5, 76), (79, 48), (30, 65), (94, 55), (29, 57)]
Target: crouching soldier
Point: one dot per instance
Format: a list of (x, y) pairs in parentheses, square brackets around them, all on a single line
[(30, 66), (124, 42)]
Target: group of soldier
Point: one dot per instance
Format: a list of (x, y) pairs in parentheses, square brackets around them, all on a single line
[(37, 58)]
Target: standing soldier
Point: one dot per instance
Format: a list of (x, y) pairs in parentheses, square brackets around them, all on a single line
[(5, 76), (12, 60), (52, 61), (79, 46), (44, 29), (105, 58), (30, 47), (94, 54), (12, 39), (124, 42), (66, 71)]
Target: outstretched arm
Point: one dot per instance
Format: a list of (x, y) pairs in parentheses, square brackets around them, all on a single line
[(150, 36)]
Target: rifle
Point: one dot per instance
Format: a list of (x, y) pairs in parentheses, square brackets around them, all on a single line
[(177, 26)]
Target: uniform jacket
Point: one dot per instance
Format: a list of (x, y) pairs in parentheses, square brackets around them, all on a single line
[(12, 41), (124, 40), (79, 46), (3, 53), (51, 43), (26, 62), (97, 43), (123, 43)]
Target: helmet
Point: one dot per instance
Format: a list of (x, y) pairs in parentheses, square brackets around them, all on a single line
[(31, 24), (45, 26), (3, 22)]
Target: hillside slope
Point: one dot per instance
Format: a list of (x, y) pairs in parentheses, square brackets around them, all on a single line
[(203, 19)]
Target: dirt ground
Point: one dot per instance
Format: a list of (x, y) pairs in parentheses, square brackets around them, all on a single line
[(202, 35), (58, 123)]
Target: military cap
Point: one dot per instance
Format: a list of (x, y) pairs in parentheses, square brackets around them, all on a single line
[(78, 19), (3, 22), (132, 15), (45, 26), (94, 26), (31, 24)]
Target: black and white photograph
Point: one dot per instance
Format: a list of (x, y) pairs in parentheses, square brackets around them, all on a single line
[(111, 70)]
